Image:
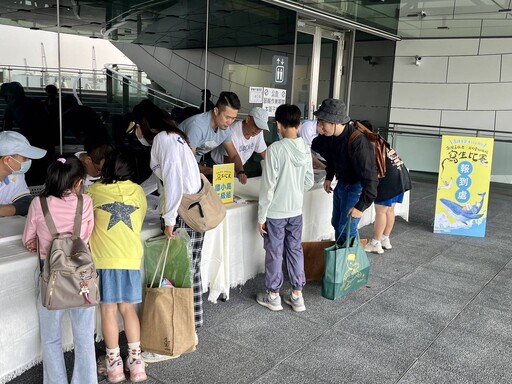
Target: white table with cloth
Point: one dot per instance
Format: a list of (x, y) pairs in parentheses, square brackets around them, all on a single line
[(232, 254)]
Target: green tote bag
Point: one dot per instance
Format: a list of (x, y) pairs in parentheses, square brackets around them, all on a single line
[(346, 267)]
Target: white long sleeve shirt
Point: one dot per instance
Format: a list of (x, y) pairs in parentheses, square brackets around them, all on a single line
[(173, 162)]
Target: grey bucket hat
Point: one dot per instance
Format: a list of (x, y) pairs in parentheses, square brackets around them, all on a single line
[(333, 111)]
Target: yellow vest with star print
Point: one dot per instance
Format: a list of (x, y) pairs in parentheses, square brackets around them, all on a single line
[(119, 211)]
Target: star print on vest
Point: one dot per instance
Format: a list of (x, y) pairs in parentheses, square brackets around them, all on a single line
[(119, 212)]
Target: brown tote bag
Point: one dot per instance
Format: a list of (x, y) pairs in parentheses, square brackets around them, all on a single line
[(167, 326), (314, 263)]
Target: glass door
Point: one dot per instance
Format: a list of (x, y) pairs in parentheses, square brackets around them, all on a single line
[(318, 65)]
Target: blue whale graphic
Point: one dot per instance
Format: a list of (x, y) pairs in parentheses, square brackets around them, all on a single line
[(461, 213)]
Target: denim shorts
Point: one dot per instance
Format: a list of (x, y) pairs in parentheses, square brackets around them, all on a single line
[(389, 203), (120, 286)]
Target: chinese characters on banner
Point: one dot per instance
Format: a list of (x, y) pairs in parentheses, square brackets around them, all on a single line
[(463, 185), (273, 98), (223, 181)]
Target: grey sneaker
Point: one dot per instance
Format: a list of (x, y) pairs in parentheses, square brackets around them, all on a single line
[(297, 304), (386, 244), (274, 304), (375, 248)]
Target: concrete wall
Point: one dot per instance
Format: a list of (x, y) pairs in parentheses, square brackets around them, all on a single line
[(371, 84), (463, 83)]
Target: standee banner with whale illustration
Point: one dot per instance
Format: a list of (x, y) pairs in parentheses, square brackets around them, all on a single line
[(463, 185)]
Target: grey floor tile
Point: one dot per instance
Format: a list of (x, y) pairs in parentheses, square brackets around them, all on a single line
[(328, 312), (466, 267), (216, 360), (340, 357), (434, 307), (285, 374), (489, 323), (427, 372), (498, 293), (276, 334), (470, 355), (404, 317), (444, 282)]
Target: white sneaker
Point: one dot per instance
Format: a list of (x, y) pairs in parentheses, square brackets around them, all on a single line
[(150, 357), (374, 248), (386, 244)]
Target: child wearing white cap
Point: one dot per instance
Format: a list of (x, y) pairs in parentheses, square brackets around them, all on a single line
[(16, 156)]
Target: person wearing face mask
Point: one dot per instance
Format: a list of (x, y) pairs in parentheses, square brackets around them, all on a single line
[(16, 156), (209, 130), (175, 166)]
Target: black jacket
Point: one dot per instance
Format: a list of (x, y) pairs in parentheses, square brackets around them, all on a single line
[(358, 166)]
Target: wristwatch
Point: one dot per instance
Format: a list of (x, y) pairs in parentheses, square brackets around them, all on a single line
[(241, 172)]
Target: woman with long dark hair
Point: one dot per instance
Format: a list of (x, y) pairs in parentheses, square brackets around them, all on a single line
[(175, 165)]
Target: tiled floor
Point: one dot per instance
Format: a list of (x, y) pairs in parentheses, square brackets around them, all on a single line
[(436, 310)]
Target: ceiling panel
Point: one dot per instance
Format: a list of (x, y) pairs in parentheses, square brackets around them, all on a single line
[(180, 24)]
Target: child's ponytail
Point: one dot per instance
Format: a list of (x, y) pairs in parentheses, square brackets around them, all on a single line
[(62, 175)]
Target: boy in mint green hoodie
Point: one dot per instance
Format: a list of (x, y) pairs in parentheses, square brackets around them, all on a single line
[(287, 174)]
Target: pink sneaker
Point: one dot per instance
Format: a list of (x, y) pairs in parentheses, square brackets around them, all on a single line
[(115, 371), (137, 370)]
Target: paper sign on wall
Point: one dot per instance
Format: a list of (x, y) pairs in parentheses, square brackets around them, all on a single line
[(224, 181), (463, 185), (256, 95), (273, 98)]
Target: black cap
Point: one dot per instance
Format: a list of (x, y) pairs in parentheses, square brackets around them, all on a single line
[(333, 111)]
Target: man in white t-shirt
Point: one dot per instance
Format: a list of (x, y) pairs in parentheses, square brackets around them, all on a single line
[(206, 131), (308, 132), (16, 156), (247, 137)]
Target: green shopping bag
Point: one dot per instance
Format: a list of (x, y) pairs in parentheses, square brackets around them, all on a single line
[(346, 267), (178, 264)]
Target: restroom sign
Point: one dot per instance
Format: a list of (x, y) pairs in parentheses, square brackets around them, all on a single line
[(279, 70)]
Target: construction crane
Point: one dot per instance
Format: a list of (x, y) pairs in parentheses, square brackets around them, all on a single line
[(44, 67), (26, 72), (94, 75)]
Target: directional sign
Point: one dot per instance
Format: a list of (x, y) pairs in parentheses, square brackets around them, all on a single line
[(279, 70)]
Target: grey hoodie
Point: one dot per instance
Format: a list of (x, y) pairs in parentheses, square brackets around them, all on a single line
[(287, 174)]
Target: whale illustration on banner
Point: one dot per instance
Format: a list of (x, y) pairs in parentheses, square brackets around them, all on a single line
[(464, 213)]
